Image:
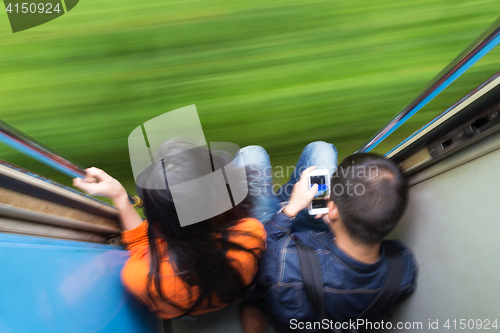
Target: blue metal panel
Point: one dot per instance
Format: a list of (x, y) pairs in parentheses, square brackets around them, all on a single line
[(49, 285)]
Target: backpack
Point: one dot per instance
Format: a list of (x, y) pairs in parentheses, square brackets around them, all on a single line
[(312, 277)]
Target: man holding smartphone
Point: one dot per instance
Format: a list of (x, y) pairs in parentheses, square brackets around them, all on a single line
[(323, 157), (368, 195)]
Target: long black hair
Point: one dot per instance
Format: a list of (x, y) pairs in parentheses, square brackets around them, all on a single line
[(197, 251)]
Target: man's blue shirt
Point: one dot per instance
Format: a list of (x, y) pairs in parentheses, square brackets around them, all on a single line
[(349, 285)]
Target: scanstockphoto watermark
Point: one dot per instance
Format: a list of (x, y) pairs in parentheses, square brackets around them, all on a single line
[(26, 14), (351, 188), (327, 324), (170, 152)]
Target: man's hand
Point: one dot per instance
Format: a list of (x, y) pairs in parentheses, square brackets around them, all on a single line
[(324, 217), (302, 195), (99, 182)]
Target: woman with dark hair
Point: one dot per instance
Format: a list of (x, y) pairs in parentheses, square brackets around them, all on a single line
[(197, 268)]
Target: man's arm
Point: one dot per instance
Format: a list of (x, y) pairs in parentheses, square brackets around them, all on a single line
[(278, 227), (301, 197), (412, 262)]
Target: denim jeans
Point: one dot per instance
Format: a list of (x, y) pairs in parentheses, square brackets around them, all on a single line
[(266, 203), (260, 183)]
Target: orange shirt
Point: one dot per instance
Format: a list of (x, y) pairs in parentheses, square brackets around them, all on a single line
[(136, 269)]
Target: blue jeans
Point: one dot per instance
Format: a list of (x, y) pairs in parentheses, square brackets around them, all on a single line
[(266, 202)]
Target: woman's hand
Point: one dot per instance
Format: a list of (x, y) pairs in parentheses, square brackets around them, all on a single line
[(99, 182), (302, 195)]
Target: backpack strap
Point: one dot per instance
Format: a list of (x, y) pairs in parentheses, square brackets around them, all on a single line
[(312, 277)]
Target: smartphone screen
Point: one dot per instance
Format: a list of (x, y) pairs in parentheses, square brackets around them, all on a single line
[(323, 191)]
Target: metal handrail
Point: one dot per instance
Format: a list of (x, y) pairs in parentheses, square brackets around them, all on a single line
[(478, 49), (21, 142)]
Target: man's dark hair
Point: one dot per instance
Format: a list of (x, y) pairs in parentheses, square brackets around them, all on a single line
[(370, 193)]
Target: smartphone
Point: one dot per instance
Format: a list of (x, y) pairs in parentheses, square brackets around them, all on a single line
[(322, 178)]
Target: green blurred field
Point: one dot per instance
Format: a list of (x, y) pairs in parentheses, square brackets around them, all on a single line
[(273, 73)]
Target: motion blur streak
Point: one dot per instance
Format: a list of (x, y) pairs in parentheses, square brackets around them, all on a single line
[(274, 73)]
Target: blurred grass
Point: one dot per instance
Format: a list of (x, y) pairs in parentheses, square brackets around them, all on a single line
[(274, 73)]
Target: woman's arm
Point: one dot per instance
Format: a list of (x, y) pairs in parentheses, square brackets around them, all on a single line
[(100, 183), (128, 215)]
